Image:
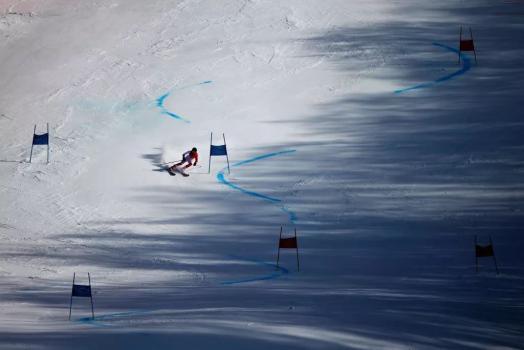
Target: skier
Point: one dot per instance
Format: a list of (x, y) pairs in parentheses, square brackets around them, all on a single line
[(188, 158)]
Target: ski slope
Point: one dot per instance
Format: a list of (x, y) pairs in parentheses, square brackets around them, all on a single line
[(351, 121)]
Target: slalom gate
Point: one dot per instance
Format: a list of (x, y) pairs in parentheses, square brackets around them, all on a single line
[(288, 243), (81, 291), (466, 45), (218, 150), (40, 139), (485, 251)]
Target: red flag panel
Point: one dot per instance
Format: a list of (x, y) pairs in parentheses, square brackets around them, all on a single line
[(288, 243), (467, 45), (483, 251)]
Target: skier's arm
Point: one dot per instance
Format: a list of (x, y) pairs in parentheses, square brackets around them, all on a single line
[(196, 159)]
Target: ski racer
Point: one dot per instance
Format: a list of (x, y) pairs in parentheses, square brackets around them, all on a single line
[(188, 157)]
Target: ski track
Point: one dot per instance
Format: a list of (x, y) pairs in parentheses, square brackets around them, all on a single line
[(465, 67), (163, 110), (280, 271), (222, 179)]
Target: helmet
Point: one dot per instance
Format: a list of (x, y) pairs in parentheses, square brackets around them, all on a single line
[(193, 149)]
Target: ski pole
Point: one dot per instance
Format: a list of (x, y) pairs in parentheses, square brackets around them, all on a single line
[(195, 166)]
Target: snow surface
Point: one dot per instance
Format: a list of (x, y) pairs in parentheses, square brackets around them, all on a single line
[(386, 185)]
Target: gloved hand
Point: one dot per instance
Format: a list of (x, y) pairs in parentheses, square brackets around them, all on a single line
[(195, 164)]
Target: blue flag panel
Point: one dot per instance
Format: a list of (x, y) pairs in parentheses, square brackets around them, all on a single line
[(41, 139), (218, 150), (80, 290)]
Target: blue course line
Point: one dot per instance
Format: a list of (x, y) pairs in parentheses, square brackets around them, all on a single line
[(291, 214), (465, 67), (280, 271), (164, 110), (98, 321), (222, 179)]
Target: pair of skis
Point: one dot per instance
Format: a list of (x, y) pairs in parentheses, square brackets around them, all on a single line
[(177, 170)]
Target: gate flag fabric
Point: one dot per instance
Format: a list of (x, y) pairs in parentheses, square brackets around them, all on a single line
[(40, 139), (218, 150), (485, 251), (81, 291), (288, 243), (466, 45)]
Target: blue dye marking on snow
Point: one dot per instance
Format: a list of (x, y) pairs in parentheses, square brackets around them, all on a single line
[(291, 214), (465, 67), (280, 271), (163, 109), (222, 179), (92, 322), (160, 101)]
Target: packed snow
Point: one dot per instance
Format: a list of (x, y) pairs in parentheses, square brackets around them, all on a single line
[(352, 122)]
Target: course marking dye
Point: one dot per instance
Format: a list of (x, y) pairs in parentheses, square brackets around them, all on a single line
[(222, 179), (466, 66), (160, 101)]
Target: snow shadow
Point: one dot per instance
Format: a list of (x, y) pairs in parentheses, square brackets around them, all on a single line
[(418, 175)]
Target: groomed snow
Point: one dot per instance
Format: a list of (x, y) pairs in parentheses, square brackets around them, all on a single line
[(351, 121)]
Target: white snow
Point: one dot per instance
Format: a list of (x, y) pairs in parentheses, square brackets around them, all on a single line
[(386, 190)]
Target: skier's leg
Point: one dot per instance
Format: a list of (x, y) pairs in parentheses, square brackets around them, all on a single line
[(181, 162), (177, 165)]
